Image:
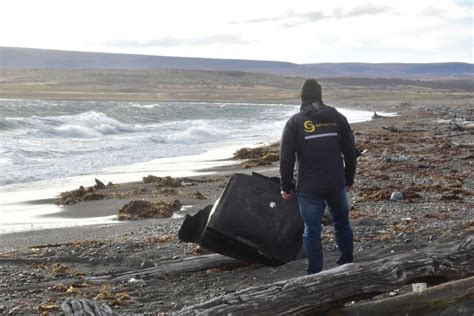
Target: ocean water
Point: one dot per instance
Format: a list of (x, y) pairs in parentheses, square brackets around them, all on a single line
[(49, 146), (42, 140)]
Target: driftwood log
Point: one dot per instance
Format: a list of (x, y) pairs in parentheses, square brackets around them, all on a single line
[(395, 129), (196, 263), (84, 307), (334, 287), (451, 298)]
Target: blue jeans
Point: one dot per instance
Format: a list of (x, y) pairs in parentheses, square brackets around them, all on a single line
[(312, 209)]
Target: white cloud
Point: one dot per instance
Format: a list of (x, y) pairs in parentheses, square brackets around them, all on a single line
[(301, 31)]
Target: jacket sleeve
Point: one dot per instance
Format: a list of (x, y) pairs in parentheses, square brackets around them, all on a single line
[(348, 150), (287, 155)]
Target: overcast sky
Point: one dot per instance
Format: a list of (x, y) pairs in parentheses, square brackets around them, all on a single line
[(298, 31)]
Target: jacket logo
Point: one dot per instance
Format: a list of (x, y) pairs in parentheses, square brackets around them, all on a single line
[(310, 127)]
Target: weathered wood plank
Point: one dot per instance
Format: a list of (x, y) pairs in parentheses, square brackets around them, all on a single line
[(333, 287)]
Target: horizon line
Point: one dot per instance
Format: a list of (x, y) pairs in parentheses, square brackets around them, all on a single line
[(235, 59)]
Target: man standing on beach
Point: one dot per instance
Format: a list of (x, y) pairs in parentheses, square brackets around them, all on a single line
[(320, 139)]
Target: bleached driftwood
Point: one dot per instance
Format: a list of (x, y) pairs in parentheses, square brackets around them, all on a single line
[(451, 298), (196, 263), (84, 307), (332, 288)]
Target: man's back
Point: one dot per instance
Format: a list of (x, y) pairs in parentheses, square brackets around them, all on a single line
[(319, 136)]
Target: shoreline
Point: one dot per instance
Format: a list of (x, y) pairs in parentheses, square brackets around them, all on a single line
[(129, 174), (428, 160)]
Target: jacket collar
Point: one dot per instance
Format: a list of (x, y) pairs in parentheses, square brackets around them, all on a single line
[(311, 106)]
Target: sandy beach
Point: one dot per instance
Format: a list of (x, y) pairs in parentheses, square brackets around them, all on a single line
[(425, 152)]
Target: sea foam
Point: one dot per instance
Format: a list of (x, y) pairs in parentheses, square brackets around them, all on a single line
[(42, 140)]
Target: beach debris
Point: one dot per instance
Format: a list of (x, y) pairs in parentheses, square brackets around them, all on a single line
[(99, 185), (394, 293), (374, 193), (45, 308), (79, 195), (159, 239), (197, 195), (377, 116), (140, 209), (59, 269), (114, 299), (140, 190), (122, 298), (170, 182), (400, 158), (419, 287), (104, 293), (60, 287), (133, 280), (265, 160), (73, 291), (163, 181), (74, 306), (197, 250), (250, 231), (411, 194), (166, 237), (249, 153), (150, 179), (396, 196), (256, 157), (166, 192), (71, 197), (93, 196)]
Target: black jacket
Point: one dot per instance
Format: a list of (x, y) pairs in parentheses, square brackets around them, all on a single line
[(321, 140)]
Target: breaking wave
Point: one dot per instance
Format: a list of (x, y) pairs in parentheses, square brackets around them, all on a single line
[(42, 140)]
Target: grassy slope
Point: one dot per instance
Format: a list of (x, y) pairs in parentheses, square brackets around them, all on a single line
[(226, 86)]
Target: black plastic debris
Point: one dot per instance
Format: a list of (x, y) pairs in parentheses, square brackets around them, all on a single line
[(250, 222)]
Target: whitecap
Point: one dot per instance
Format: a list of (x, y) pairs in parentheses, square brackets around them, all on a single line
[(144, 106)]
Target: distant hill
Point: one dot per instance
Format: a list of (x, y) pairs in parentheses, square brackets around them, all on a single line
[(30, 58)]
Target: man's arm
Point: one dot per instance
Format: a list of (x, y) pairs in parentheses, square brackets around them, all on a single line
[(348, 150), (287, 155)]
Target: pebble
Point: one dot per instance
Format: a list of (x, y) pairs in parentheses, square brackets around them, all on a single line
[(396, 196)]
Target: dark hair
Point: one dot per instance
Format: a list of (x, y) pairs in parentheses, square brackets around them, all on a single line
[(311, 90)]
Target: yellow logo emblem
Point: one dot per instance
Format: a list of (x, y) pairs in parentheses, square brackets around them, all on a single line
[(309, 127)]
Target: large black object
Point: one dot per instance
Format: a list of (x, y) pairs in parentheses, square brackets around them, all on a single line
[(250, 222)]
